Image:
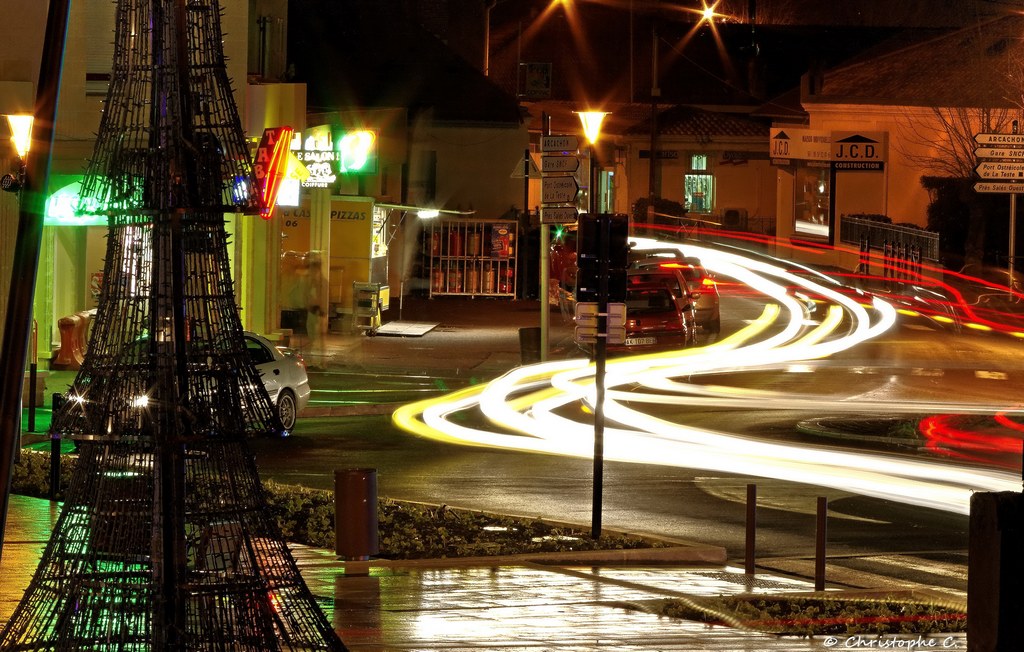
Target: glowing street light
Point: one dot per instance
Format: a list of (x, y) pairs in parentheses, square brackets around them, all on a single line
[(591, 122), (21, 133), (21, 137)]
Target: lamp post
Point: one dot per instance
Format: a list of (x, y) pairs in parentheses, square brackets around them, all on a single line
[(591, 121), (17, 324)]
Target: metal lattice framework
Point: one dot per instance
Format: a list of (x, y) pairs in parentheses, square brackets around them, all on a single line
[(165, 540)]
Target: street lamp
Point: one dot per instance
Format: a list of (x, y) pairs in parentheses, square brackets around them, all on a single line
[(21, 137), (488, 5), (21, 133), (591, 121)]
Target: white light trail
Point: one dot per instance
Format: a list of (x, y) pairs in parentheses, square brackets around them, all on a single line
[(537, 407)]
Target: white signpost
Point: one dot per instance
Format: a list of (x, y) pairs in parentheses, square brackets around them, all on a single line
[(1003, 153), (559, 143), (999, 139), (586, 323), (1007, 166), (559, 214), (558, 190), (1000, 170), (999, 186), (559, 164)]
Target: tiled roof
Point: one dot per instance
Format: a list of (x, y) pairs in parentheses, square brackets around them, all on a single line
[(704, 125), (630, 120), (970, 67)]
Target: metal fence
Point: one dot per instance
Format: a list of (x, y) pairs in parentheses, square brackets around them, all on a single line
[(855, 230)]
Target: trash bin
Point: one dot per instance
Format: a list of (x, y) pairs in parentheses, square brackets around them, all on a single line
[(529, 344), (355, 514)]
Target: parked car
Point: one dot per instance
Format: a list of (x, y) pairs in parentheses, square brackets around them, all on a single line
[(655, 320), (703, 285), (673, 279), (283, 372)]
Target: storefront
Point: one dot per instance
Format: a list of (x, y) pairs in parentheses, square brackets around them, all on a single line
[(824, 175)]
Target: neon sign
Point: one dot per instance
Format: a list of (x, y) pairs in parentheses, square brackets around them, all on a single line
[(270, 166), (327, 153), (62, 207)]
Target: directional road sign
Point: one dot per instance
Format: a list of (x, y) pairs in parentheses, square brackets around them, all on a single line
[(559, 143), (558, 214), (558, 190), (1000, 186), (1000, 152), (999, 139), (1001, 170), (587, 314), (559, 164)]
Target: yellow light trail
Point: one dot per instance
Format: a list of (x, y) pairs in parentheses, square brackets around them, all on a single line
[(529, 408)]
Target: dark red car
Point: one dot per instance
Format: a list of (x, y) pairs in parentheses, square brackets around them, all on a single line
[(655, 320)]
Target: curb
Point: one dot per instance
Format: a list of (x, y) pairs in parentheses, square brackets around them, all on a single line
[(359, 410), (674, 556)]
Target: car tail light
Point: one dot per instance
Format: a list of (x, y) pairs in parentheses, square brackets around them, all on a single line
[(295, 354), (708, 281)]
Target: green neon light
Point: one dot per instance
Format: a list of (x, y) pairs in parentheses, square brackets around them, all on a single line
[(61, 207)]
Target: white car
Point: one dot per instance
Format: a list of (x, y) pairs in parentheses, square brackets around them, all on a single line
[(284, 375)]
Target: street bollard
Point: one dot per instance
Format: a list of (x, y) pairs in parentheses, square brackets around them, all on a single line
[(819, 545), (33, 378), (995, 566), (748, 565), (529, 345), (54, 465), (58, 401), (355, 514)]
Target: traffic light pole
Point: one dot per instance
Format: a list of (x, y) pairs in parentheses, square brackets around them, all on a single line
[(600, 349)]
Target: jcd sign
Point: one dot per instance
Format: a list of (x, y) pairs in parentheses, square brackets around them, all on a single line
[(858, 150)]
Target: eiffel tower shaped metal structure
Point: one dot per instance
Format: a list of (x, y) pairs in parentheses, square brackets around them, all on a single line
[(165, 540)]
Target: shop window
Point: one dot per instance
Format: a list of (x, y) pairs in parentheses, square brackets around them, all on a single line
[(812, 200), (699, 189), (699, 185)]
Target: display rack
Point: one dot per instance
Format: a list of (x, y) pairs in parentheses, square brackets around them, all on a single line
[(472, 257), (368, 300)]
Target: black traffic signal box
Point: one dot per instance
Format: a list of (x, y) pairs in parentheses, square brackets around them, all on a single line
[(602, 251)]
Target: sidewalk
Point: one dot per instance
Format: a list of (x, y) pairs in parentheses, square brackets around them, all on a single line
[(502, 606)]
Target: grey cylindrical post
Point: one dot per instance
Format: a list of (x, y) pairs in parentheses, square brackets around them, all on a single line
[(54, 465), (33, 377), (355, 513), (819, 547)]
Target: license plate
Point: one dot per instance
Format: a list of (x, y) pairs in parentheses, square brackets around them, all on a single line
[(640, 341)]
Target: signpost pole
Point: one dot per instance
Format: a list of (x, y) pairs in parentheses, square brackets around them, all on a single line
[(1013, 238), (545, 269), (1005, 165), (600, 357)]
